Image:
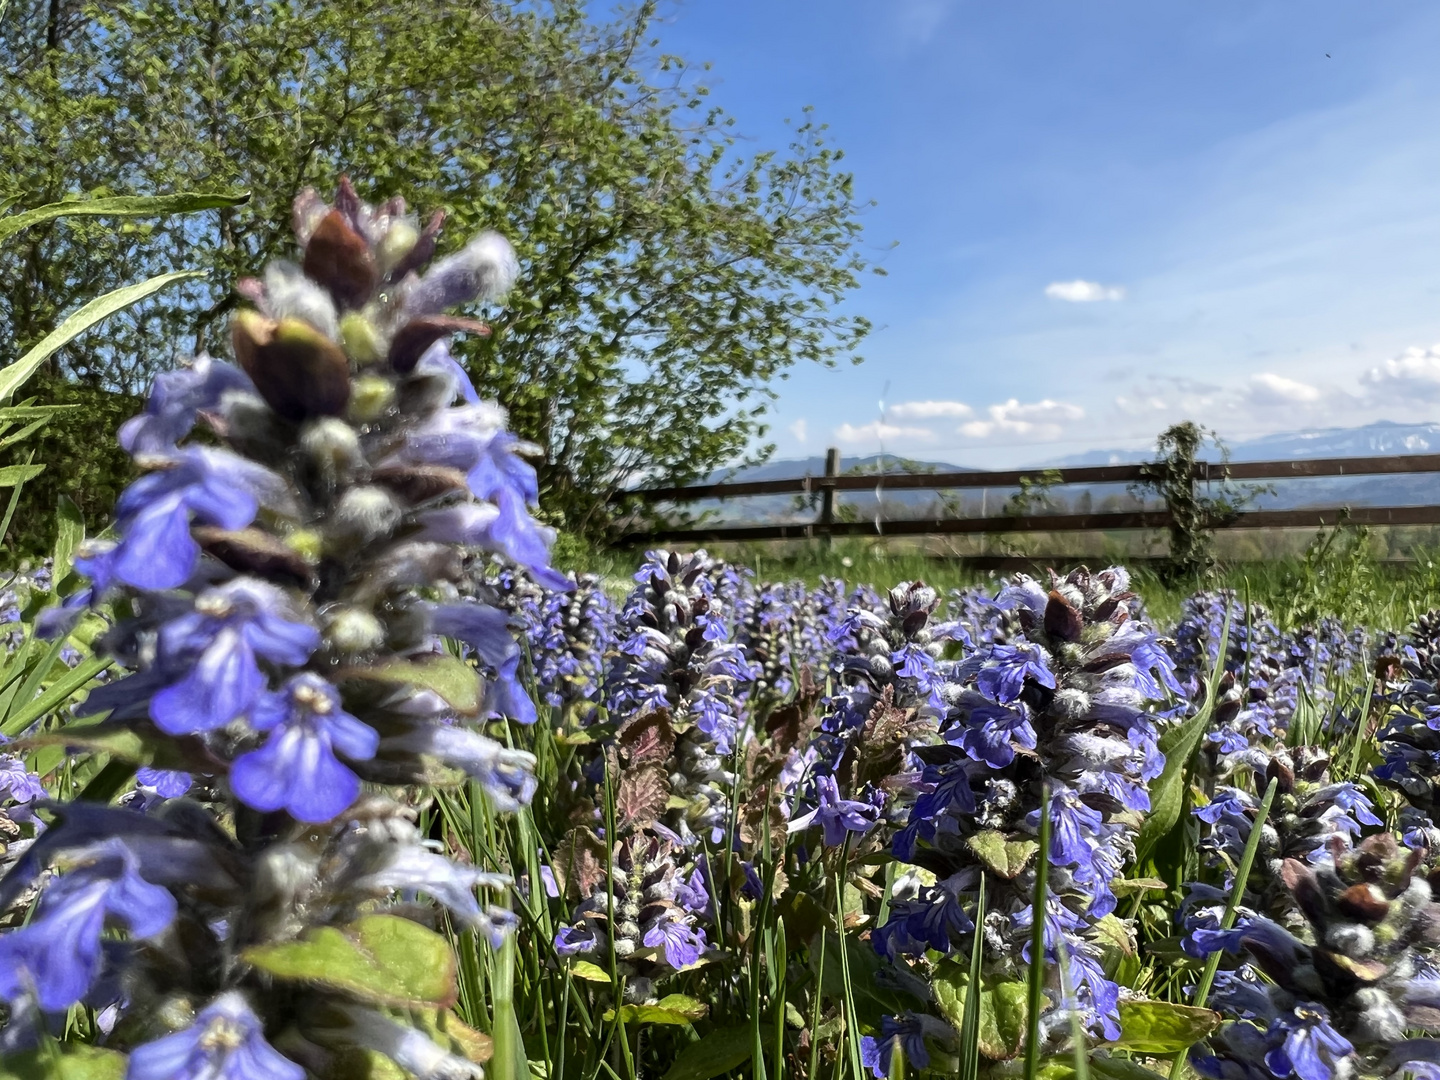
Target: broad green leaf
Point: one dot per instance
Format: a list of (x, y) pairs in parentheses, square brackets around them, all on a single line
[(10, 475), (1116, 1068), (1130, 886), (719, 1052), (185, 202), (1003, 1010), (97, 310), (68, 1061), (584, 969), (381, 958), (1102, 1065), (1111, 932), (1005, 858), (1162, 1027), (449, 676), (671, 1009)]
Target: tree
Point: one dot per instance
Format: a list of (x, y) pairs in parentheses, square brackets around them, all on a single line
[(667, 278)]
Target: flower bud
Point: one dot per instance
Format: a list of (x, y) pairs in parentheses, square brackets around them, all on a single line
[(298, 370), (353, 630), (363, 514), (398, 241), (360, 338), (371, 398), (417, 335), (339, 259), (333, 446)]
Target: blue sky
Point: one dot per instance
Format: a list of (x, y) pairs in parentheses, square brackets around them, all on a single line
[(1109, 216)]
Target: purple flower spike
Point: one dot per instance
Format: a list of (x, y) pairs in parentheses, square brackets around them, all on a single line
[(57, 955), (17, 783), (218, 643), (226, 1042), (297, 770), (835, 815), (166, 783)]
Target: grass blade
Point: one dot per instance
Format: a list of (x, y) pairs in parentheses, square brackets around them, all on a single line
[(1035, 997), (97, 310), (185, 202), (1167, 791), (1242, 875), (970, 1022)]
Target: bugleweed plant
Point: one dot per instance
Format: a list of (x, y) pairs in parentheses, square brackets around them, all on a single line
[(280, 591)]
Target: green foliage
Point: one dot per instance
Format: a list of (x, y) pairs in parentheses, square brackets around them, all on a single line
[(668, 278), (65, 1061), (83, 462), (382, 959)]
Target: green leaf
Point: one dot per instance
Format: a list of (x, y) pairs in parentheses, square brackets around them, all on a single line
[(449, 676), (584, 969), (719, 1052), (11, 475), (1162, 1027), (1003, 1009), (121, 743), (671, 1009), (59, 692), (97, 310), (381, 958), (1115, 1068), (67, 1061), (69, 532), (1111, 932), (1005, 858), (1102, 1065), (122, 206), (1131, 886)]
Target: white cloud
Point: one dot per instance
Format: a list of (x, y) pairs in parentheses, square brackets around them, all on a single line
[(1080, 291), (1039, 419), (1268, 388), (1414, 375), (875, 432), (800, 430), (930, 410)]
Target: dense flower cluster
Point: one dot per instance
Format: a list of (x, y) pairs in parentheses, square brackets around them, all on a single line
[(284, 587), (1342, 995), (1060, 704), (568, 633)]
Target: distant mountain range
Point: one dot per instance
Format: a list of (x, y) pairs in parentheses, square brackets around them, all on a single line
[(1373, 440), (1377, 439)]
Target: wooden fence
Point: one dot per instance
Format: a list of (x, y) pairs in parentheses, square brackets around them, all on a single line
[(827, 485)]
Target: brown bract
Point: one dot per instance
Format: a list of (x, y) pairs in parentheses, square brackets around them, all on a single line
[(297, 370), (338, 258)]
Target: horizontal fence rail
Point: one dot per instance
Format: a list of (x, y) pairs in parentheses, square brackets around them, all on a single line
[(827, 485)]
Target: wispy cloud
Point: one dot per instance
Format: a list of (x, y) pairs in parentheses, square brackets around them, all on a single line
[(1038, 420), (1268, 388), (800, 430), (877, 432), (918, 20), (1080, 291), (930, 410)]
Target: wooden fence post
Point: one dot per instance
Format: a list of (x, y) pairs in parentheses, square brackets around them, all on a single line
[(827, 493)]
